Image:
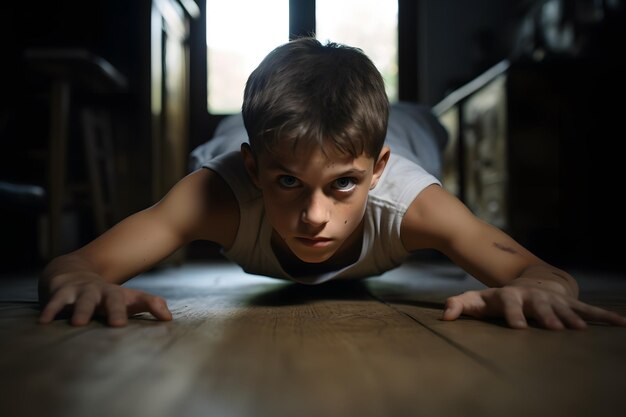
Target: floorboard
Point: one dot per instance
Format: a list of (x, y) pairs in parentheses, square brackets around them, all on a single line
[(243, 345), (573, 373)]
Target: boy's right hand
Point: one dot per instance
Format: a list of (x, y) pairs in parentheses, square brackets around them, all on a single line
[(87, 296)]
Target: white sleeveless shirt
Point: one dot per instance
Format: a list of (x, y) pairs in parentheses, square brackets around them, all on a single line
[(381, 249)]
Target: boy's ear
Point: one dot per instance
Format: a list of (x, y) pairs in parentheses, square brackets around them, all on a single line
[(249, 162), (379, 165)]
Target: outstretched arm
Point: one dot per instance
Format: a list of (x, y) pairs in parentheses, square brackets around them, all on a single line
[(87, 281), (523, 286)]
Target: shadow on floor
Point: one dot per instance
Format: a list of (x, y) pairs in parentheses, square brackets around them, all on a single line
[(295, 293)]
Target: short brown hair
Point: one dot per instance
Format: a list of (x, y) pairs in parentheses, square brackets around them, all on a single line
[(330, 93)]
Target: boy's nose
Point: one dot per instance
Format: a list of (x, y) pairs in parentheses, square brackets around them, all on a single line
[(316, 212)]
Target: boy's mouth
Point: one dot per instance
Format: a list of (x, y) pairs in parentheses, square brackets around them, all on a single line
[(314, 242)]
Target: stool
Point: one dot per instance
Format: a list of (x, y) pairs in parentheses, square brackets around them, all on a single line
[(69, 70)]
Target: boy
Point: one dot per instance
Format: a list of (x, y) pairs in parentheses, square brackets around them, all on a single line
[(315, 195)]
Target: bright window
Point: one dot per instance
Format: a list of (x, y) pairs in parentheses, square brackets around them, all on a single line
[(371, 25), (240, 33)]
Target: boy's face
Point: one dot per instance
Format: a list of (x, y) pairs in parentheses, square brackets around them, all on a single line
[(315, 200)]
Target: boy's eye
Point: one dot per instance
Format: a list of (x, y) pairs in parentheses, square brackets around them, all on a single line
[(288, 181), (344, 184)]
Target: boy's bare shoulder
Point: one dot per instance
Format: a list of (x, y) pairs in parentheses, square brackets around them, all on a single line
[(434, 216), (206, 207)]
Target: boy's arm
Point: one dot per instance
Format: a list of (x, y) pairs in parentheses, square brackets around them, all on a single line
[(200, 206), (525, 286)]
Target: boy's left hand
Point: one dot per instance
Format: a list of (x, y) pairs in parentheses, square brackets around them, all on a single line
[(516, 304)]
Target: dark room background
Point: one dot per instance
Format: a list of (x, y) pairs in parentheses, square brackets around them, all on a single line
[(95, 76)]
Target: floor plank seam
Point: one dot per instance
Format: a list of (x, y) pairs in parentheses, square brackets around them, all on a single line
[(472, 355)]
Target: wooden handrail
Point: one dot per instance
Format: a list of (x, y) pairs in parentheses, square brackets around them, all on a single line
[(470, 88)]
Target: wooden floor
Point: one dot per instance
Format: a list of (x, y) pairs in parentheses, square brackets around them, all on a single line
[(243, 345)]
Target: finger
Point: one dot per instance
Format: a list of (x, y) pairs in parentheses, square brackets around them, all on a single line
[(452, 309), (592, 313), (569, 317), (471, 303), (618, 319), (544, 314), (151, 303), (58, 302), (158, 308), (115, 308), (513, 312), (84, 308)]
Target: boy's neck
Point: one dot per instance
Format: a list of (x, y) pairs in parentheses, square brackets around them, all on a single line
[(346, 255)]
